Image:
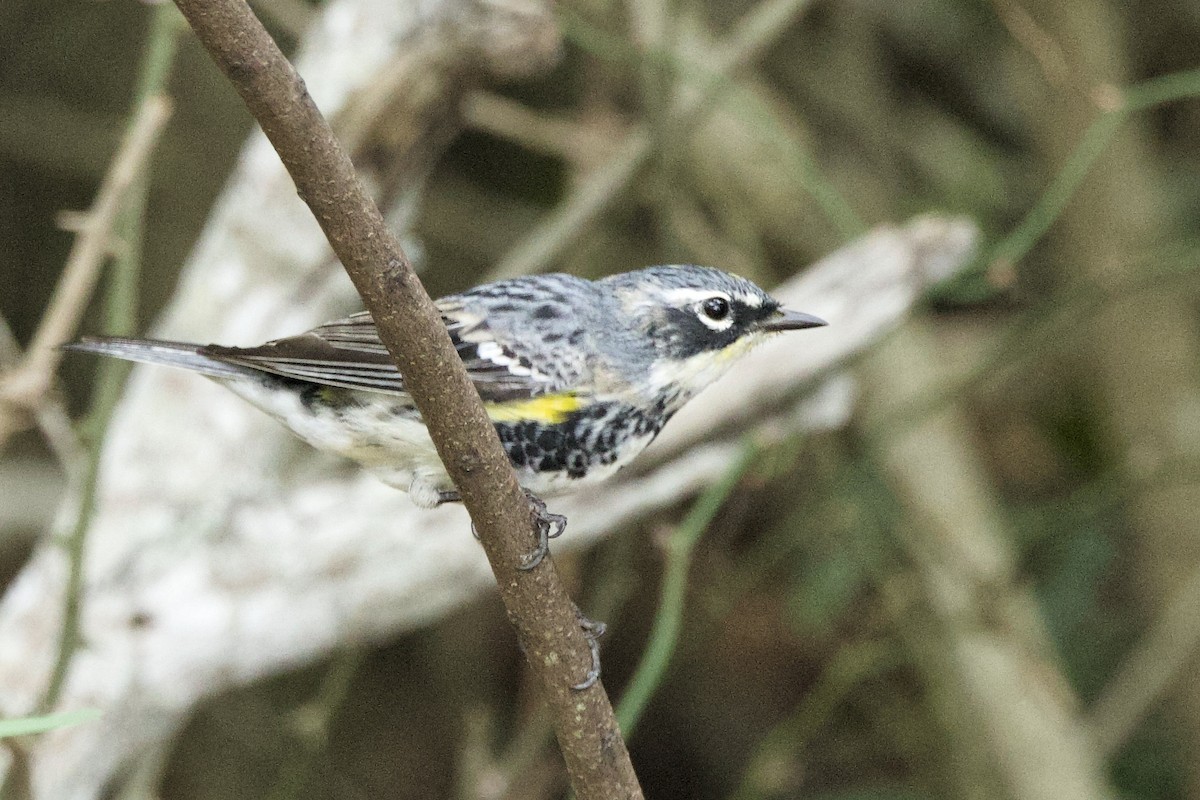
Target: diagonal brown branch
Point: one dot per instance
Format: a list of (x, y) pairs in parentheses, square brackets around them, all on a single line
[(537, 603), (24, 388)]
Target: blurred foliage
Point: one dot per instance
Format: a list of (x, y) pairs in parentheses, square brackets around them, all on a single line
[(795, 674)]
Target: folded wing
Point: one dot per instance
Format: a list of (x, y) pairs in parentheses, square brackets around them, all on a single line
[(347, 353)]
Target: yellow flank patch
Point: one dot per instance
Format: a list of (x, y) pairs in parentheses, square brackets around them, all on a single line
[(549, 408)]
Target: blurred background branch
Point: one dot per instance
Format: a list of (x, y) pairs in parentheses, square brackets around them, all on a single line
[(962, 562), (26, 384)]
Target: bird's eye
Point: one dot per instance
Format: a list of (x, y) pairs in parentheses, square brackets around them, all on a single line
[(715, 308)]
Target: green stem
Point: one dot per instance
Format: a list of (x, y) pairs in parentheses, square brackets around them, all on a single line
[(664, 635), (120, 317), (1156, 91), (1163, 89), (1045, 328), (28, 726), (1013, 247)]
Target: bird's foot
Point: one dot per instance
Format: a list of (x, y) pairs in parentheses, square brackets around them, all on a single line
[(452, 496), (550, 526), (592, 631)]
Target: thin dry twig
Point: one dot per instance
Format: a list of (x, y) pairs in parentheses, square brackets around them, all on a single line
[(544, 616), (576, 142), (985, 645), (23, 389), (1156, 663), (1046, 51), (51, 414), (545, 242)]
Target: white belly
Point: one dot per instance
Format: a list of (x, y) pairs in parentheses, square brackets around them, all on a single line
[(382, 433)]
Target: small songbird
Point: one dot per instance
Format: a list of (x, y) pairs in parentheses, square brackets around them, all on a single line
[(578, 376)]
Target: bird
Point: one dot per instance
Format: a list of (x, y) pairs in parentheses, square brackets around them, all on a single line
[(578, 376)]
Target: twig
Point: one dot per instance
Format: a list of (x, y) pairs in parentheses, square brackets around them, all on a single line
[(1148, 94), (1156, 662), (28, 726), (538, 131), (409, 324), (74, 541), (120, 313), (1045, 49), (546, 241), (991, 650), (1050, 324), (1013, 247), (652, 31), (121, 199), (51, 414), (311, 723), (851, 665), (664, 635), (29, 382)]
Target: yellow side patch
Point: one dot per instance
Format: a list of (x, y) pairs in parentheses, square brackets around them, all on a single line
[(550, 409)]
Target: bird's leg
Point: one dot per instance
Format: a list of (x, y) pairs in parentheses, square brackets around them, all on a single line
[(550, 526), (592, 631), (452, 496)]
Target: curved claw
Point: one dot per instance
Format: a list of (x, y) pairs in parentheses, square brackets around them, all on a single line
[(550, 526), (555, 524), (592, 631), (531, 560)]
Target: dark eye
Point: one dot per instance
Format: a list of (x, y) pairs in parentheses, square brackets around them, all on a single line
[(715, 308)]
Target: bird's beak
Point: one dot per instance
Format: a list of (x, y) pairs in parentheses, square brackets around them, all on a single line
[(785, 320)]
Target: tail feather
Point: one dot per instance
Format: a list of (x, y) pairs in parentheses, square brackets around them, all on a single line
[(152, 351)]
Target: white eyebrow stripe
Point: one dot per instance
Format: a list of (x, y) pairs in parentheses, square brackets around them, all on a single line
[(684, 295), (752, 300)]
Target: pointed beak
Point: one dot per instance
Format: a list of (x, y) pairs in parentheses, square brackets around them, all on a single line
[(785, 320)]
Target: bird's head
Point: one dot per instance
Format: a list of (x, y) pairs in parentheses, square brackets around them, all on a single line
[(700, 320)]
